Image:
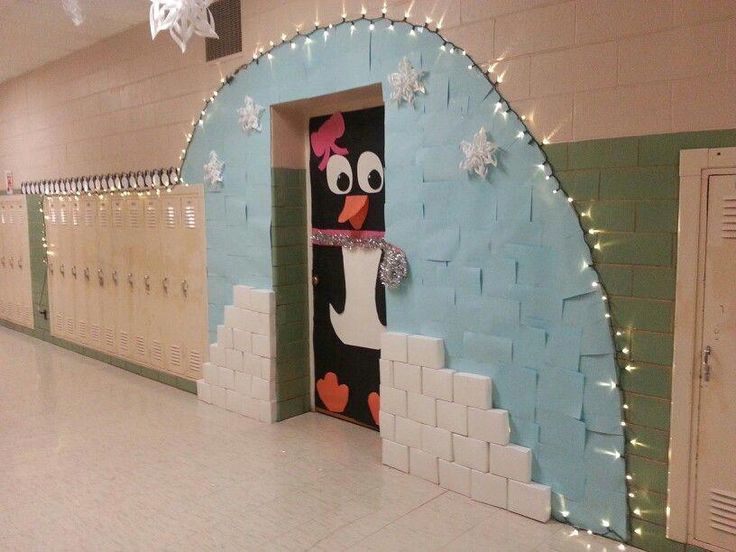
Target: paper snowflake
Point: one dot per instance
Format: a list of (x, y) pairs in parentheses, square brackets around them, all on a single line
[(250, 116), (479, 154), (406, 83), (213, 172), (182, 18), (74, 11)]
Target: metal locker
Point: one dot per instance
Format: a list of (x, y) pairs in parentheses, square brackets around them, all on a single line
[(123, 274), (5, 293), (89, 281), (171, 255), (106, 275), (11, 260), (52, 222), (157, 293), (195, 299), (143, 284), (80, 328), (24, 266)]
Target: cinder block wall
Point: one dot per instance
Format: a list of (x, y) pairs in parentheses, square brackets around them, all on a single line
[(628, 189)]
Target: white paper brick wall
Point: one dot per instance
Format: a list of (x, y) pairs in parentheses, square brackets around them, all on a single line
[(217, 355), (219, 396), (225, 336), (394, 346), (388, 422), (471, 453), (264, 345), (226, 378), (454, 477), (262, 389), (234, 401), (209, 372), (422, 408), (437, 383), (426, 351), (242, 340), (408, 377), (241, 296), (204, 391), (424, 465), (393, 400), (408, 432), (243, 383), (234, 360), (489, 425), (511, 461), (263, 300), (488, 488), (396, 455), (386, 372), (472, 390), (530, 499), (453, 417), (437, 441)]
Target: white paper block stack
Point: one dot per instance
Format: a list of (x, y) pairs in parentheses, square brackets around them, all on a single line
[(241, 372), (440, 425)]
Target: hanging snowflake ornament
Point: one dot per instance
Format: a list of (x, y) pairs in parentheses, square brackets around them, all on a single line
[(250, 116), (406, 83), (74, 11), (213, 172), (182, 18), (479, 154)]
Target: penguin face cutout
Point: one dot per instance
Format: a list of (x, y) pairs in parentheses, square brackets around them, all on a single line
[(347, 171)]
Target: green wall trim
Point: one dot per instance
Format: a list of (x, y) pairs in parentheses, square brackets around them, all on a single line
[(628, 189)]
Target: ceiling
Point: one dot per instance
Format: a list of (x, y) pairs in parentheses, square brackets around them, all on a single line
[(35, 32)]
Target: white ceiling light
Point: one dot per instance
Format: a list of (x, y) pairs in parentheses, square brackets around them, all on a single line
[(182, 18)]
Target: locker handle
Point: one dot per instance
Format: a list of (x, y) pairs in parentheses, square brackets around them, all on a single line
[(86, 273), (115, 276), (20, 263), (51, 268), (184, 287), (61, 269), (74, 271), (100, 277), (165, 283), (12, 262), (3, 261), (147, 282), (130, 279)]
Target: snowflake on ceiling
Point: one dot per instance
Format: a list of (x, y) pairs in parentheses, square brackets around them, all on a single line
[(74, 11), (182, 18), (479, 154), (250, 116), (406, 83), (213, 172)]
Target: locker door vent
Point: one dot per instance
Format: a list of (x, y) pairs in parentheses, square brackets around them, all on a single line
[(134, 212), (82, 329), (175, 358), (195, 362), (170, 216), (728, 226), (723, 511), (88, 214), (75, 215), (157, 353), (59, 322), (63, 214), (117, 215), (94, 333), (52, 215), (140, 346), (190, 216), (109, 338), (124, 342), (102, 216), (151, 215), (70, 326)]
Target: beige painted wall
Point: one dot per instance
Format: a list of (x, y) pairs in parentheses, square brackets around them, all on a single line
[(579, 69)]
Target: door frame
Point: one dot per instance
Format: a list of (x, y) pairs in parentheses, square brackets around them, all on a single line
[(696, 167)]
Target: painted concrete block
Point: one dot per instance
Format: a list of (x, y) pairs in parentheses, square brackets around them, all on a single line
[(264, 345), (453, 417), (530, 499), (263, 300), (242, 340), (217, 355), (472, 390), (396, 455), (234, 402), (424, 465), (219, 396), (388, 422), (243, 383), (437, 383), (488, 488), (225, 336), (234, 360), (262, 389), (437, 441), (394, 346), (209, 373), (241, 296), (422, 408), (489, 425), (426, 351), (511, 461), (204, 391), (472, 453), (408, 432), (386, 370), (393, 400), (408, 377), (226, 377), (454, 477)]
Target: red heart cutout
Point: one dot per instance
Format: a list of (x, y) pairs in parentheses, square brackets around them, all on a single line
[(374, 403), (334, 396)]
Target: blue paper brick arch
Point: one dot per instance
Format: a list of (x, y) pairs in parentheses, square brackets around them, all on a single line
[(499, 267)]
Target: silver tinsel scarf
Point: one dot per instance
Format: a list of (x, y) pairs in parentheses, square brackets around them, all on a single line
[(394, 267)]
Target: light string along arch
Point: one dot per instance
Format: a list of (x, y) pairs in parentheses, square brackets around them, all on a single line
[(503, 107)]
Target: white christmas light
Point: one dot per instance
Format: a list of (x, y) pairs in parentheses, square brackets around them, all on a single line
[(182, 18)]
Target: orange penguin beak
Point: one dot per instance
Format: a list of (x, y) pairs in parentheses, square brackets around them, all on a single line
[(355, 211)]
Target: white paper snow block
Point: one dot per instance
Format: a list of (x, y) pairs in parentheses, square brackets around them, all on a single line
[(263, 300), (454, 477), (471, 453), (408, 432), (386, 371), (261, 323), (234, 360), (408, 377), (226, 378), (232, 316), (234, 401), (437, 442), (264, 345), (217, 355), (252, 364), (219, 396), (243, 383), (267, 410), (426, 351), (204, 391), (490, 489), (511, 461), (242, 340), (530, 499), (394, 346), (393, 400), (437, 383), (424, 465), (387, 425), (453, 417), (262, 389), (252, 408), (267, 368), (225, 336), (489, 425), (421, 408), (241, 296), (472, 390), (396, 455), (209, 373)]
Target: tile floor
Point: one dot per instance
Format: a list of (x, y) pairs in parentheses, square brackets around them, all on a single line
[(95, 458)]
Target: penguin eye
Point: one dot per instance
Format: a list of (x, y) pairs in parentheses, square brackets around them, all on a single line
[(370, 173), (339, 175)]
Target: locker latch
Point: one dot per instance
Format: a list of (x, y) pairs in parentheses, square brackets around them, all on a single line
[(100, 278), (2, 261), (130, 279), (74, 271), (147, 282), (62, 270), (12, 262), (165, 283), (20, 263), (115, 276), (51, 268), (184, 287), (86, 273)]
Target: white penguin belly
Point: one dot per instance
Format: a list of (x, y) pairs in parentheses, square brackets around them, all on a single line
[(359, 324)]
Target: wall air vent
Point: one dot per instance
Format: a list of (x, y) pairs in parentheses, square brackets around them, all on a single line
[(227, 25)]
